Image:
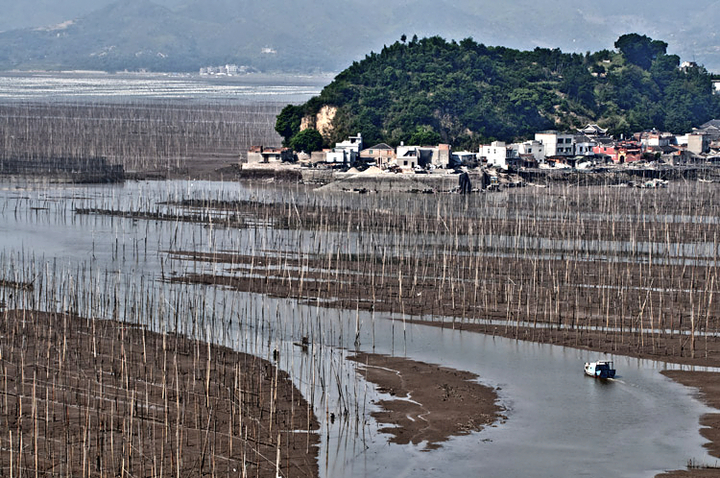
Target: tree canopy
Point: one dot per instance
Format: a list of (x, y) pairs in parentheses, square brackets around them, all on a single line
[(640, 50), (307, 140), (465, 93)]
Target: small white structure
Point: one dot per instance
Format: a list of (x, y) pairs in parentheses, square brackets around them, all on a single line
[(557, 144), (716, 84), (407, 157), (345, 152), (535, 148), (584, 145), (353, 143), (496, 154), (337, 156), (261, 154)]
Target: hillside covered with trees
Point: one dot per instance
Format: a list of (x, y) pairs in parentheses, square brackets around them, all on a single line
[(465, 93)]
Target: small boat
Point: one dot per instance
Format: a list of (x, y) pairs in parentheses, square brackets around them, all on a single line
[(600, 369)]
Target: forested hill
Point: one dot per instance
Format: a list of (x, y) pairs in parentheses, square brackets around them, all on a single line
[(466, 93)]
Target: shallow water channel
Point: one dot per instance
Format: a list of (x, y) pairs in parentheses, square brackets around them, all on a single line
[(559, 423)]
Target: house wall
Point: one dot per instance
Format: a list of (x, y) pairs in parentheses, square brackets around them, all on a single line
[(698, 143), (443, 156), (536, 148), (495, 153), (336, 156), (407, 162), (557, 144), (608, 151), (584, 149), (254, 157)]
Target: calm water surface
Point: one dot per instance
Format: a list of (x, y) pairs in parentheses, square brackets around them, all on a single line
[(559, 423)]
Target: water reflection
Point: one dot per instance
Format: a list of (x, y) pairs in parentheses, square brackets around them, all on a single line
[(560, 423)]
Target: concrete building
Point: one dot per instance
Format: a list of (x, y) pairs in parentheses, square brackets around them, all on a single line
[(698, 143), (407, 157), (584, 145), (534, 148), (496, 154), (261, 154), (557, 144), (380, 154)]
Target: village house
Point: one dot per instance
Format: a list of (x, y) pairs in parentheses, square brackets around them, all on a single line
[(536, 149), (496, 154), (584, 145), (711, 129), (407, 157), (261, 154), (698, 143), (381, 155), (621, 152), (557, 144), (346, 152), (654, 138)]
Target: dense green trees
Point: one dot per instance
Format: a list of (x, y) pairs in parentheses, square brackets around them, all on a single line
[(640, 50), (288, 122), (466, 93), (307, 140)]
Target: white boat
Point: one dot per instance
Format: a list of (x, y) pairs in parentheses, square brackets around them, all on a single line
[(600, 369)]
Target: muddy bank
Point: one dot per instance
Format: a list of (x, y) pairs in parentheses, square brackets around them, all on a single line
[(708, 389), (433, 403), (560, 315), (100, 398)]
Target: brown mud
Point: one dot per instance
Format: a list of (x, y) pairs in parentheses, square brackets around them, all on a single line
[(708, 390), (656, 302), (82, 397), (433, 403)]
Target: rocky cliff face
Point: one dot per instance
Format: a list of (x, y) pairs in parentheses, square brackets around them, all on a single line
[(322, 121)]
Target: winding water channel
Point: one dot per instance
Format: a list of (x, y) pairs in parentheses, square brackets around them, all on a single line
[(559, 423)]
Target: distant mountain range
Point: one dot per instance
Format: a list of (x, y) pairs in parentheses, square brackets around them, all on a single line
[(277, 35)]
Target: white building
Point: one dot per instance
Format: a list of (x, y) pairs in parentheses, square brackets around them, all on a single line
[(584, 145), (347, 151), (716, 84), (407, 157), (423, 156), (353, 143), (496, 154), (535, 148), (557, 144)]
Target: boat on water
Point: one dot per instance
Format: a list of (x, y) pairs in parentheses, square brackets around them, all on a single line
[(600, 369)]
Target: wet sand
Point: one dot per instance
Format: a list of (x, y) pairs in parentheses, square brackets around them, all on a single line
[(432, 403), (102, 398), (708, 389)]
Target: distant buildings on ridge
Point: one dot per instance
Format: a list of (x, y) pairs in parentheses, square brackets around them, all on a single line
[(582, 149)]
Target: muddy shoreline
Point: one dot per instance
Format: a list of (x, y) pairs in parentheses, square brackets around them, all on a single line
[(707, 385), (99, 398), (431, 403)]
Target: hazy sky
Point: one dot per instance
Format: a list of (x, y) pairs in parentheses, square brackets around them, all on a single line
[(38, 13), (567, 24)]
